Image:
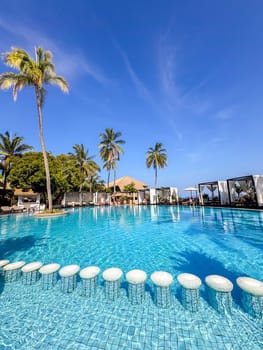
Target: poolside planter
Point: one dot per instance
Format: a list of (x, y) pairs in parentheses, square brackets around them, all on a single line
[(89, 278), (219, 293), (30, 272), (136, 289), (112, 280), (162, 282), (2, 264), (190, 285), (252, 295), (12, 272), (68, 276), (49, 275)]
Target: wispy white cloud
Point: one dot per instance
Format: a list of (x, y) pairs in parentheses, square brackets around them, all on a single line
[(144, 92), (194, 157), (225, 113), (175, 95), (187, 102), (170, 94), (215, 141), (201, 152), (138, 83), (67, 64), (167, 69)]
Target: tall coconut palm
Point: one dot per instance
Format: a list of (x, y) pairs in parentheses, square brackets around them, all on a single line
[(108, 166), (88, 167), (157, 158), (35, 73), (110, 150), (10, 147)]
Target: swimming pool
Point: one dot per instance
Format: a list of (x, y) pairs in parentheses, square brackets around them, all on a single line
[(201, 241)]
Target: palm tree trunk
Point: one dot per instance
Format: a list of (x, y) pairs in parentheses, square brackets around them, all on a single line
[(114, 186), (155, 180), (4, 186), (5, 175), (108, 178), (43, 147)]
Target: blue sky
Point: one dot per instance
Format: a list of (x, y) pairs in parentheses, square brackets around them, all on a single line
[(187, 74)]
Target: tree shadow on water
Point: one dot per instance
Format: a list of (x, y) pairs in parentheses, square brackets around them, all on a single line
[(12, 245), (202, 265)]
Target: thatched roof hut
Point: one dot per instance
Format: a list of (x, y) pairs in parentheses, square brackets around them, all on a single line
[(127, 180)]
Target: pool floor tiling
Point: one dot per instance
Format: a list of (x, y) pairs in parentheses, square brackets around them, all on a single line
[(51, 320)]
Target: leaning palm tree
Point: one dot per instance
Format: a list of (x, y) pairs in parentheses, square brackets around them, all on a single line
[(10, 147), (157, 158), (110, 150), (88, 167), (34, 73)]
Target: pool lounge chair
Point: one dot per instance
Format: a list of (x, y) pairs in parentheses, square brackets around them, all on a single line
[(6, 209), (18, 208)]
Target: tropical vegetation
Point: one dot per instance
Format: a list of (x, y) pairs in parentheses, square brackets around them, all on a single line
[(87, 166), (130, 188), (35, 73), (110, 150), (156, 157), (9, 148), (28, 172)]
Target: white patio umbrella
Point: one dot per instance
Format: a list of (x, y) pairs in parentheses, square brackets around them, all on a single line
[(191, 189)]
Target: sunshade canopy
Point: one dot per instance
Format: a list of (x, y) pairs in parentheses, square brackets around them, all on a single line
[(190, 189)]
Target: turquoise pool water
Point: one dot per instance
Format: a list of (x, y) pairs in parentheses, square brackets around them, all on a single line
[(202, 241)]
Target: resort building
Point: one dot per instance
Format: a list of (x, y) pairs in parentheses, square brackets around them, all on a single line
[(122, 182), (121, 194)]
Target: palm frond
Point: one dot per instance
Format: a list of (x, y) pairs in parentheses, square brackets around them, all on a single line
[(59, 81)]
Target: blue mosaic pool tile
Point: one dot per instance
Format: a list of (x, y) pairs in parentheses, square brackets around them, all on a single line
[(89, 286), (252, 304), (136, 293), (70, 319), (162, 296), (112, 289), (12, 275), (49, 280), (221, 301), (190, 299), (68, 284), (30, 277)]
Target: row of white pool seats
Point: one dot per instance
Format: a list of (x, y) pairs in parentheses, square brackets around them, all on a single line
[(219, 287)]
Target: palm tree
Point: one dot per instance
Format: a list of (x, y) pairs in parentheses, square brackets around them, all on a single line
[(110, 150), (96, 184), (34, 73), (88, 167), (10, 147), (157, 158)]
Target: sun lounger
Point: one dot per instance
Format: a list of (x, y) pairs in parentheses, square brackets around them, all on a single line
[(17, 208), (6, 209)]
